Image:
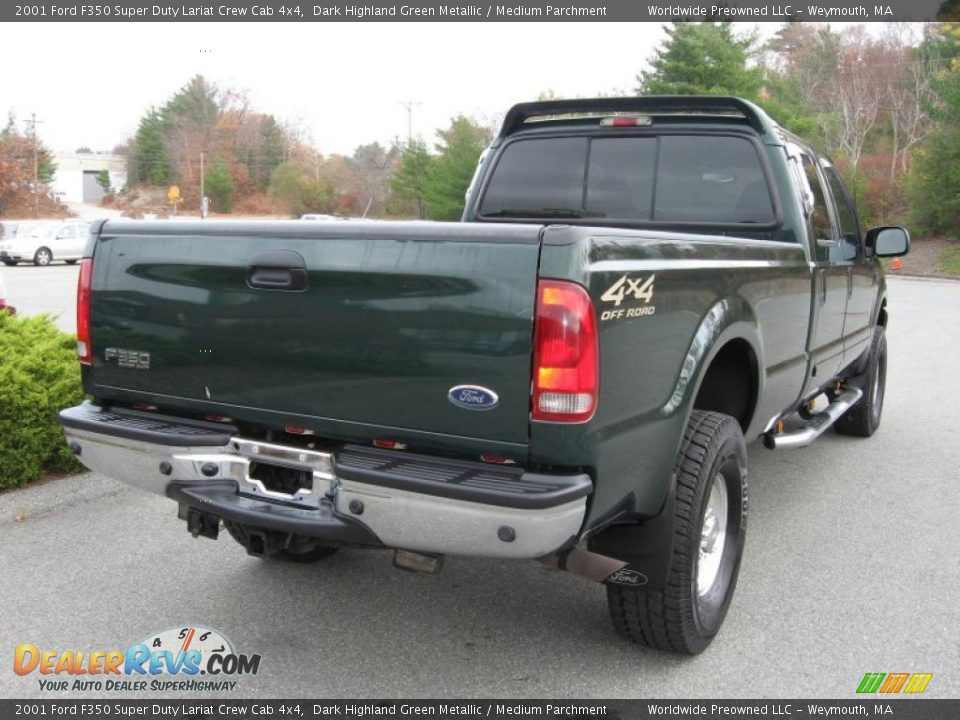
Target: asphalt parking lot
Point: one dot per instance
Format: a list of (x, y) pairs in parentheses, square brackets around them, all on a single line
[(851, 566), (51, 289)]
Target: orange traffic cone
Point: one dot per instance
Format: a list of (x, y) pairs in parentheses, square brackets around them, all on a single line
[(896, 264)]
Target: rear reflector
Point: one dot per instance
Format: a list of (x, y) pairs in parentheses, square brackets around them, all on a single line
[(565, 353), (218, 418), (497, 459), (297, 430), (388, 444), (84, 348)]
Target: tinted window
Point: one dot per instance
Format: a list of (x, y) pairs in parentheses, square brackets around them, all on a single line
[(819, 216), (670, 179), (846, 215), (535, 177), (620, 177), (710, 179)]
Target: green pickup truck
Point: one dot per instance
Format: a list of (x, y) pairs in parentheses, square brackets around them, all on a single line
[(639, 287)]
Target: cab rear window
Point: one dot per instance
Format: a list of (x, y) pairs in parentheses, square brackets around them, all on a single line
[(682, 179)]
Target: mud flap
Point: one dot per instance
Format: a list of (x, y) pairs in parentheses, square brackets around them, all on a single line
[(645, 548)]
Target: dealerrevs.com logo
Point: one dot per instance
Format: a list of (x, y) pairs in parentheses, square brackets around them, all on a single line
[(188, 659)]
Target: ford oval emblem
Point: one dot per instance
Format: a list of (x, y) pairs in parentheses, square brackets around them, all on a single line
[(473, 397)]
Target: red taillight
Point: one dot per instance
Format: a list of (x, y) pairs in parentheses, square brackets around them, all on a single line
[(565, 354), (84, 348)]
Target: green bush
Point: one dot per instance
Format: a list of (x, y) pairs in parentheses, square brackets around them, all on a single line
[(39, 376)]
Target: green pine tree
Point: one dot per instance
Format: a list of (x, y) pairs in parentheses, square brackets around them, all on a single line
[(409, 182), (703, 58), (450, 172)]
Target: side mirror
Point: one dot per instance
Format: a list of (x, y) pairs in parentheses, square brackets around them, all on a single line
[(888, 241)]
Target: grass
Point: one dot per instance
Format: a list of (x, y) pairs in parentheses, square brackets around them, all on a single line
[(950, 259)]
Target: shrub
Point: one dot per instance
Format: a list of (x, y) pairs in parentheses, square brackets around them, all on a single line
[(39, 376)]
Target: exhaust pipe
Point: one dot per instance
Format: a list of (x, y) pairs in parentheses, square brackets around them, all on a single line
[(593, 566)]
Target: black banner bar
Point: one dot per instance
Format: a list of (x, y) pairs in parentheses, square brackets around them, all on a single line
[(473, 11), (874, 707)]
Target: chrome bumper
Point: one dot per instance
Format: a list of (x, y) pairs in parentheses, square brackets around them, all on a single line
[(355, 503)]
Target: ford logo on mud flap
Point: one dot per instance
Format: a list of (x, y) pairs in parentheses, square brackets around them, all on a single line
[(473, 397)]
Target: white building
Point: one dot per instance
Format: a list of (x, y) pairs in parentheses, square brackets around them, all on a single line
[(76, 177)]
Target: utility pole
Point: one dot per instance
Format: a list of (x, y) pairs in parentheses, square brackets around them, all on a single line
[(201, 178), (409, 105), (36, 166)]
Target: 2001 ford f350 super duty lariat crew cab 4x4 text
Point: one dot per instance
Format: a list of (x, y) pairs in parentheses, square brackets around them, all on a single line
[(640, 286)]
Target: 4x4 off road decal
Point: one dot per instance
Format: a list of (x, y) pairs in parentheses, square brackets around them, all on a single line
[(629, 289)]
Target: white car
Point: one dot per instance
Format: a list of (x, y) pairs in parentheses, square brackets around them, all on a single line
[(43, 242)]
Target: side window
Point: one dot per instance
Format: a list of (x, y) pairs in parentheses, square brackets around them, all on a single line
[(820, 214), (846, 214), (68, 233)]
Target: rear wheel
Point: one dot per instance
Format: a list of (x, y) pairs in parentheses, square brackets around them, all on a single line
[(710, 519), (43, 256), (70, 262), (863, 419), (269, 544)]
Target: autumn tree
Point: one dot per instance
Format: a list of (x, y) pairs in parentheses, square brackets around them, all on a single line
[(300, 190), (17, 184), (373, 165)]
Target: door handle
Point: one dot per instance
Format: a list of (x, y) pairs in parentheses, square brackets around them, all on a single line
[(277, 270)]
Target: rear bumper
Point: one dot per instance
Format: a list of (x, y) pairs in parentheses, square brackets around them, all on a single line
[(10, 255), (357, 496)]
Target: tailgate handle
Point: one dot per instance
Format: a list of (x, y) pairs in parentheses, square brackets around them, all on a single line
[(277, 270)]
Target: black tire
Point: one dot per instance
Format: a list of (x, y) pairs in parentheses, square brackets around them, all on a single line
[(10, 263), (863, 419), (70, 262), (285, 547), (680, 618), (42, 257)]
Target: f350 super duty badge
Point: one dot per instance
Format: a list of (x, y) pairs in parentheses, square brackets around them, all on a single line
[(627, 289), (130, 359)]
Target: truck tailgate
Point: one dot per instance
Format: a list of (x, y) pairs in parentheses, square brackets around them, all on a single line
[(389, 318)]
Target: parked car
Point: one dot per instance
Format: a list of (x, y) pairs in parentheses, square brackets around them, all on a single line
[(43, 242), (4, 305), (8, 229), (640, 287), (319, 216)]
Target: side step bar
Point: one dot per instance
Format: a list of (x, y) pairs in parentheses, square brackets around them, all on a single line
[(816, 426)]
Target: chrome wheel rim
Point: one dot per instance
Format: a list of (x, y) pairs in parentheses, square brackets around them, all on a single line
[(713, 536), (43, 257)]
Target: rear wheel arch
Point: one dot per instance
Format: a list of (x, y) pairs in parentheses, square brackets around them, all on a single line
[(730, 383)]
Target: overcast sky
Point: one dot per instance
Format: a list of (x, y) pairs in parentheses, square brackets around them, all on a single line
[(343, 83)]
